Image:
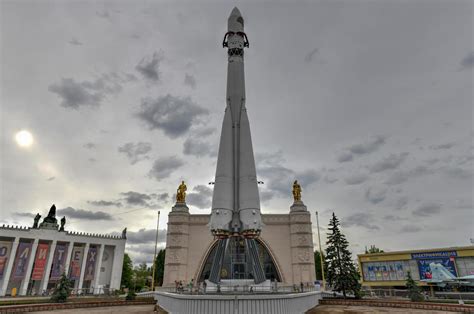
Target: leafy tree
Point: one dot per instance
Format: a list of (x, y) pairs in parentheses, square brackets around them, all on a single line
[(127, 272), (141, 274), (341, 271), (160, 267), (414, 292), (373, 249), (62, 290), (317, 265)]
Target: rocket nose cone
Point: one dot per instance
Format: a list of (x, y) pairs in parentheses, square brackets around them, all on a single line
[(235, 22), (235, 12)]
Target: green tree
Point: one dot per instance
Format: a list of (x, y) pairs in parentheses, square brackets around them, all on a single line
[(342, 274), (317, 266), (160, 267), (414, 292), (62, 290), (141, 272), (373, 249), (127, 272)]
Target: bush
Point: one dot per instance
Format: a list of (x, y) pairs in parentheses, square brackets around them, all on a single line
[(130, 296), (414, 292), (62, 290)]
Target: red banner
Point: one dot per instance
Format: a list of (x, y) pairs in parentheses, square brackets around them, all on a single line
[(40, 261)]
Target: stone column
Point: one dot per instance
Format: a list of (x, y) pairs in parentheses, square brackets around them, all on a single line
[(83, 268), (302, 251), (8, 270), (176, 258), (117, 264), (29, 268), (68, 258), (95, 282), (47, 271)]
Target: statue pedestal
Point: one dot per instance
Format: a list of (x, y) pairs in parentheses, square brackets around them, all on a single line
[(49, 225), (298, 206), (180, 207)]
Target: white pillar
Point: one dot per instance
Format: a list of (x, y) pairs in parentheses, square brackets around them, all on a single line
[(8, 271), (98, 264), (68, 258), (29, 268), (47, 271), (117, 265), (83, 268)]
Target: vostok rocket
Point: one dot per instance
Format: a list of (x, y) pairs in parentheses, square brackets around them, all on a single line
[(236, 202)]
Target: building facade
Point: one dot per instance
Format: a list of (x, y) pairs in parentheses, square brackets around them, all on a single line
[(285, 247), (390, 269), (33, 259)]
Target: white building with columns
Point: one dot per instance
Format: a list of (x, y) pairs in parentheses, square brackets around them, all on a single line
[(33, 259)]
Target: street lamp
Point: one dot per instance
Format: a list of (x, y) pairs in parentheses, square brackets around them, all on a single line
[(320, 252)]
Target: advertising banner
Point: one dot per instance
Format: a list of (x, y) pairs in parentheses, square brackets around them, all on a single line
[(40, 261), (21, 261), (59, 259), (425, 270), (445, 258), (76, 262), (90, 263), (5, 249)]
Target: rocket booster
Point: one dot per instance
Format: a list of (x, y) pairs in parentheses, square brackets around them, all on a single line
[(235, 202)]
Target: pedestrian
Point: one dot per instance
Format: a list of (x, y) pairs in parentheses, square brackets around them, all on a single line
[(191, 284), (204, 285), (176, 284), (301, 286)]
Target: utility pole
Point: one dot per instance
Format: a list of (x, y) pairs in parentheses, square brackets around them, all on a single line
[(154, 255), (320, 252)]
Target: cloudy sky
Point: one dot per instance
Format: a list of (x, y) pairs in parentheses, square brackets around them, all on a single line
[(368, 103)]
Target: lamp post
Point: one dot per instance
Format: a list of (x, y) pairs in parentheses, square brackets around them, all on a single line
[(154, 255), (320, 252)]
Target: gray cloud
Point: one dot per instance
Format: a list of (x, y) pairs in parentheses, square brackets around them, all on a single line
[(388, 163), (189, 80), (401, 203), (105, 203), (411, 229), (135, 151), (199, 148), (309, 57), (75, 42), (50, 178), (400, 177), (369, 146), (356, 179), (200, 197), (164, 166), (427, 209), (144, 236), (103, 14), (360, 220), (88, 93), (375, 195), (70, 212), (89, 145), (136, 199), (149, 67), (442, 146), (173, 115), (468, 61), (345, 157)]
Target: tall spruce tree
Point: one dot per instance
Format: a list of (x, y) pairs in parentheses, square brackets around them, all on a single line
[(342, 275), (414, 292)]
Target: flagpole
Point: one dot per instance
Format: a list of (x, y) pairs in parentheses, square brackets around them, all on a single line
[(154, 255), (320, 252)]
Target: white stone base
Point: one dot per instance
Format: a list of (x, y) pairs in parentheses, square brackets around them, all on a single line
[(277, 303)]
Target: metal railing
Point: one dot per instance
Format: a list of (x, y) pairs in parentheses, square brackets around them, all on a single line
[(242, 289)]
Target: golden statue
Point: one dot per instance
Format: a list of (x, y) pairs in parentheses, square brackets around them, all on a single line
[(296, 191), (181, 193)]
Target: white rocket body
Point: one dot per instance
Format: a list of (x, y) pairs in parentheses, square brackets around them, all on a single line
[(235, 202)]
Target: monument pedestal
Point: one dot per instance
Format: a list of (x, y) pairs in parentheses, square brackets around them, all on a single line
[(49, 225), (301, 235), (176, 258)]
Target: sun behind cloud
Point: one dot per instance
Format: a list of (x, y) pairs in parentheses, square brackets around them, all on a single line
[(24, 138)]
